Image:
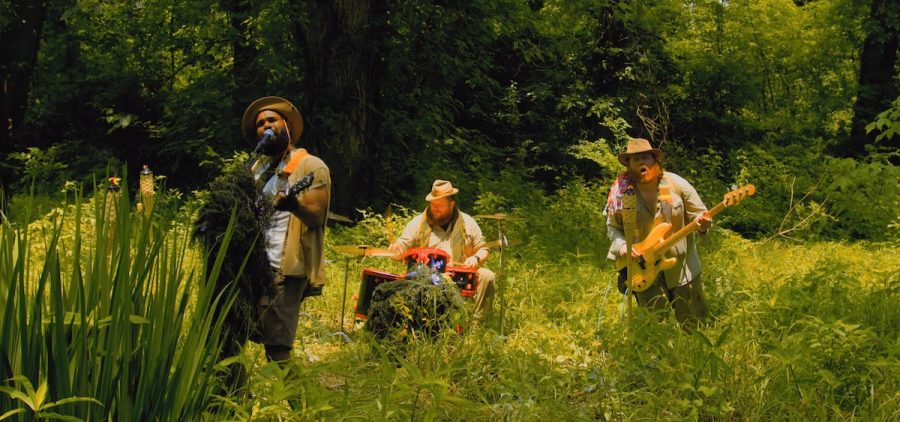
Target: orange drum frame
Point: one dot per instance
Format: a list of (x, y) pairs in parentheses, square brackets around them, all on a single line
[(466, 279), (436, 259), (371, 279)]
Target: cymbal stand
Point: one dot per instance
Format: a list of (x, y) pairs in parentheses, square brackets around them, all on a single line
[(501, 278), (344, 300)]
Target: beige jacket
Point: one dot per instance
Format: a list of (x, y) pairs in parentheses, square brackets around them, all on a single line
[(303, 253), (440, 238), (686, 207)]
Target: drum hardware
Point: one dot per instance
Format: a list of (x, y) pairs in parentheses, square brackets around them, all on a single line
[(496, 244), (364, 250), (500, 217), (501, 243), (361, 251), (337, 217)]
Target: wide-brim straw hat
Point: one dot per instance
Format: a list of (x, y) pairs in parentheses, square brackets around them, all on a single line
[(441, 189), (637, 146), (277, 104)]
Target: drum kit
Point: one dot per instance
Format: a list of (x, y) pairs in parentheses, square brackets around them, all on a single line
[(436, 260)]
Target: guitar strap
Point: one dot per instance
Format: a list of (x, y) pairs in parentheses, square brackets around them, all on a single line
[(665, 198), (263, 164), (296, 157)]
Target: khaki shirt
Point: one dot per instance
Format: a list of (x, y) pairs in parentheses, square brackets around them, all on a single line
[(440, 238), (686, 207), (303, 252)]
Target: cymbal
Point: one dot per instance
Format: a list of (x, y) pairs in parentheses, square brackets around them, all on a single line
[(338, 217), (495, 244), (363, 250), (500, 216)]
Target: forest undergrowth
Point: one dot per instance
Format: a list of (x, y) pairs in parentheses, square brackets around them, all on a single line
[(798, 330)]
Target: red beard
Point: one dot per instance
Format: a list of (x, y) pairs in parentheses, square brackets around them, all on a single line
[(647, 174)]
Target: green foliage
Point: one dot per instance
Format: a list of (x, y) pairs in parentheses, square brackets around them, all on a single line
[(101, 310), (864, 198), (769, 66), (417, 306), (42, 169), (801, 192), (887, 123), (578, 229), (797, 330)]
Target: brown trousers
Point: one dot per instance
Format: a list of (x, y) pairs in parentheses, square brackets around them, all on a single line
[(484, 295), (687, 300)]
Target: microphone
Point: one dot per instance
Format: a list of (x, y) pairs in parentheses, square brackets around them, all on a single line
[(267, 135)]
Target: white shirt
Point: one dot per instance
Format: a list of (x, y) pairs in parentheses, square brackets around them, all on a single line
[(278, 224)]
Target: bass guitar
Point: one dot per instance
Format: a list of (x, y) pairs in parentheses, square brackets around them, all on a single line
[(644, 269)]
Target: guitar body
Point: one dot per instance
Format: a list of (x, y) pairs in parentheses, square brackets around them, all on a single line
[(643, 270), (642, 273)]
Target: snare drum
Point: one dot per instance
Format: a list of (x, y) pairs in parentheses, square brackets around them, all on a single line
[(466, 279), (370, 280), (434, 258)]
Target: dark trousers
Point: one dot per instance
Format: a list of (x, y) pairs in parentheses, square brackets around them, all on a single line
[(687, 300)]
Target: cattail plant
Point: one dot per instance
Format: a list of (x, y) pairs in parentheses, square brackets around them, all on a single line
[(101, 322)]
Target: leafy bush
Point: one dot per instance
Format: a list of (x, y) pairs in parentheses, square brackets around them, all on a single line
[(801, 192), (42, 168)]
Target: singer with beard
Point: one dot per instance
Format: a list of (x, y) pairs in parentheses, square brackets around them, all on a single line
[(294, 240), (661, 196)]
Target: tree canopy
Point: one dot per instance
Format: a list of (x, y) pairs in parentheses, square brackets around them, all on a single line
[(489, 94)]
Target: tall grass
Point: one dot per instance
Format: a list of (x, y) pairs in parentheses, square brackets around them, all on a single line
[(109, 321), (797, 331)]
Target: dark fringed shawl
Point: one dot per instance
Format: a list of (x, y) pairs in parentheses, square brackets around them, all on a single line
[(236, 189)]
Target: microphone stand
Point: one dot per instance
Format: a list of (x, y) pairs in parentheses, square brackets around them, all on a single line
[(344, 300), (501, 279)]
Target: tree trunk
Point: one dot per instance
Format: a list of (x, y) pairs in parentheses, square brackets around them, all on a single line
[(877, 87), (19, 43), (246, 77), (340, 42)]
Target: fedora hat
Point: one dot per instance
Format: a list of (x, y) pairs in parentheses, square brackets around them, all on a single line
[(441, 189), (276, 104), (637, 146)]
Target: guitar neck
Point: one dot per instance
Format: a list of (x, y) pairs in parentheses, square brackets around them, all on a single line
[(688, 229), (301, 184)]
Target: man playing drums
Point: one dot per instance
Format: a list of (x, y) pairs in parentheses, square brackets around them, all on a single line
[(443, 226)]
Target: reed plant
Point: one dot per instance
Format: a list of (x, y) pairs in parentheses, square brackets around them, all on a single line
[(108, 313)]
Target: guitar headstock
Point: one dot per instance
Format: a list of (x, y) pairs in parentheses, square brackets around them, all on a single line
[(303, 183), (737, 195)]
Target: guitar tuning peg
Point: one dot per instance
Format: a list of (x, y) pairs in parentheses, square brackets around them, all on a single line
[(733, 187)]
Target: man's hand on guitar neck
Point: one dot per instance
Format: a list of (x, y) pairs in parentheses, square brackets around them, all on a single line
[(703, 222), (282, 202)]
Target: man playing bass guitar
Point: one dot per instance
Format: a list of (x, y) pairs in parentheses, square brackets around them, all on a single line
[(643, 197)]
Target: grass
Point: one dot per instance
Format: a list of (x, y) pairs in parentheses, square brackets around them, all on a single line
[(798, 331)]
